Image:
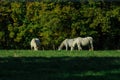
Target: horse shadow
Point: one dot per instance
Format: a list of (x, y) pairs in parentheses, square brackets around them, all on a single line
[(60, 68)]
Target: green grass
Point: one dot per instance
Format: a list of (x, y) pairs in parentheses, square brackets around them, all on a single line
[(59, 65), (50, 53)]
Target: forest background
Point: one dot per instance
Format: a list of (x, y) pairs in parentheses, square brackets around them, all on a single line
[(52, 21)]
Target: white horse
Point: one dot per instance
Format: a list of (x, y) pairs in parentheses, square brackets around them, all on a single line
[(35, 44), (87, 41), (67, 43)]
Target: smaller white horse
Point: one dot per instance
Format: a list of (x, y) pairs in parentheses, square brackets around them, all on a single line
[(67, 43), (87, 41), (35, 44)]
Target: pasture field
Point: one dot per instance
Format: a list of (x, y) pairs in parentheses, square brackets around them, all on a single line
[(59, 65)]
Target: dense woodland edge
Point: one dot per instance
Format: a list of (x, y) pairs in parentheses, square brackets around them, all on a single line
[(54, 21)]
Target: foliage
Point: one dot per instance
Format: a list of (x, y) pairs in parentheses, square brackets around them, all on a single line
[(53, 21)]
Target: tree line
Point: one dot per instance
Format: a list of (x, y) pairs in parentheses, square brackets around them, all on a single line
[(54, 21)]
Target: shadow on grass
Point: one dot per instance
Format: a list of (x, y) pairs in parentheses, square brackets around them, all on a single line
[(60, 68)]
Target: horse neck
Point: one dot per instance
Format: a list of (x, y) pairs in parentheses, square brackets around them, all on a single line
[(61, 45), (69, 42), (74, 42)]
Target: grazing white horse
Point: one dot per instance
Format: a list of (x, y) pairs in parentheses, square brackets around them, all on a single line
[(87, 41), (67, 43), (35, 44)]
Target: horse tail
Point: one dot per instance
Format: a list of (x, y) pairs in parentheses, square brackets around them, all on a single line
[(91, 43), (91, 40)]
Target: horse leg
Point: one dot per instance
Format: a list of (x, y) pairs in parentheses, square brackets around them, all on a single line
[(36, 48), (59, 48), (66, 47), (79, 47), (72, 48), (91, 46), (32, 47)]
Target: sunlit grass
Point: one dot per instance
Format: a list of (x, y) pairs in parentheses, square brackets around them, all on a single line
[(55, 53)]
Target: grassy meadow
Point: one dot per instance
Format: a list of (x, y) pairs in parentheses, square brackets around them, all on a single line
[(59, 65)]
